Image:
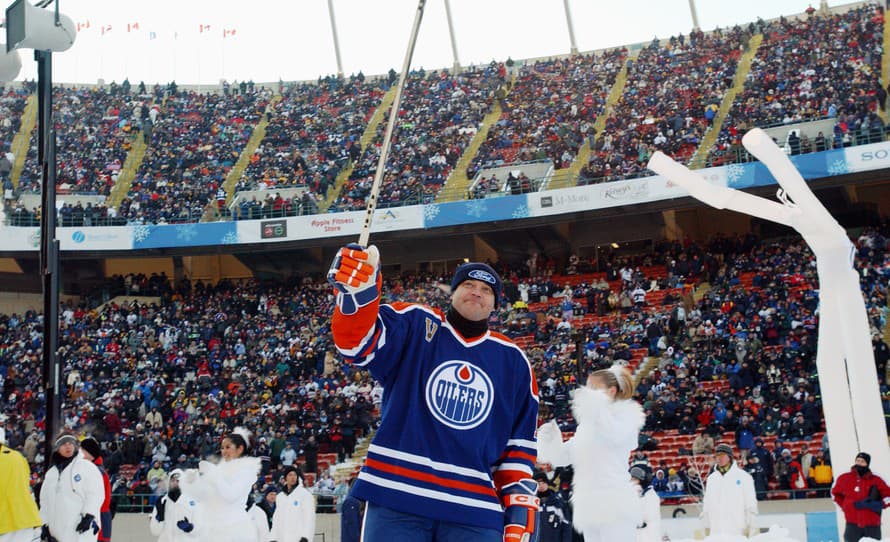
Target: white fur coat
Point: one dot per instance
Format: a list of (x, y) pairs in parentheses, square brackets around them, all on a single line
[(608, 431), (223, 488)]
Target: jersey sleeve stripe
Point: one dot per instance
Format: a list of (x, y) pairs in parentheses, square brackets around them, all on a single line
[(429, 478), (518, 467), (516, 454), (523, 443)]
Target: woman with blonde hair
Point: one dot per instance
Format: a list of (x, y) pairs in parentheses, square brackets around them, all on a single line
[(606, 505)]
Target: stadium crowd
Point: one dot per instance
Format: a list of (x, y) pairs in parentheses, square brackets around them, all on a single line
[(550, 110), (313, 130), (194, 140), (818, 66), (438, 116), (808, 69), (671, 98), (729, 327)]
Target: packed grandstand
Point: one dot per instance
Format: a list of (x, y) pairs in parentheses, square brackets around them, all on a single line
[(719, 332)]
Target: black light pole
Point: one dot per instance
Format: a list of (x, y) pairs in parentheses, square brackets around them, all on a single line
[(49, 252)]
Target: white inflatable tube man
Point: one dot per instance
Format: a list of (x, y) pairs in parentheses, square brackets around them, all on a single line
[(854, 418)]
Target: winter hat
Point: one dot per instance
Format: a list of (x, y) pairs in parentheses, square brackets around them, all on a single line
[(270, 489), (288, 470), (91, 446), (723, 449), (540, 476), (64, 438), (638, 473), (866, 457), (481, 272)]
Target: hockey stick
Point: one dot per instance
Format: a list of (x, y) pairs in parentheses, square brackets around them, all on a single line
[(387, 136)]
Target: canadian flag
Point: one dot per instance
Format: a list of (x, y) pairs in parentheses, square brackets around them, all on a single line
[(132, 26), (106, 29), (203, 28), (83, 26), (228, 32)]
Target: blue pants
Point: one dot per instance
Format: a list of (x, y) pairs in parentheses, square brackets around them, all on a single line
[(388, 525)]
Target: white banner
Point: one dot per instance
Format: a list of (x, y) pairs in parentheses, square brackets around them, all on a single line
[(328, 225), (867, 157)]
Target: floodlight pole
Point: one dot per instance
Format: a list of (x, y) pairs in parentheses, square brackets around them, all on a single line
[(49, 252), (571, 27), (336, 40), (694, 13), (456, 68)]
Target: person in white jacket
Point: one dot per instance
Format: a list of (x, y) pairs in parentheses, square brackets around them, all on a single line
[(649, 529), (294, 518), (177, 515), (223, 490), (71, 495), (730, 502), (606, 505)]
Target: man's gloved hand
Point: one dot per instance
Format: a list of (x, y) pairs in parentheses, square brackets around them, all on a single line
[(185, 525), (521, 505), (159, 511), (87, 522), (354, 273), (304, 539), (44, 533), (870, 504)]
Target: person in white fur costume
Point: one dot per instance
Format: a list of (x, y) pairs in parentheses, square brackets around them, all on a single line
[(223, 489), (606, 502)]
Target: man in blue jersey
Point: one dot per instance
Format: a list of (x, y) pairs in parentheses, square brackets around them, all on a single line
[(453, 457)]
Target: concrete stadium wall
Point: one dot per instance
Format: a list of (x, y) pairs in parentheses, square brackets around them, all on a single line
[(134, 527)]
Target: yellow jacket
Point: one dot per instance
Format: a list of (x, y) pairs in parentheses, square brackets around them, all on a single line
[(821, 473), (17, 507)]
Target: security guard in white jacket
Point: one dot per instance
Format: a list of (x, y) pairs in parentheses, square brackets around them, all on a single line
[(177, 515), (294, 517), (72, 494), (730, 503)]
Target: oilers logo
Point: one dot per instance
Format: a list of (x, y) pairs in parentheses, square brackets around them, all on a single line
[(459, 394)]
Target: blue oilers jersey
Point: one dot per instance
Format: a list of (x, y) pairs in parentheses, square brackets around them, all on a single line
[(458, 416)]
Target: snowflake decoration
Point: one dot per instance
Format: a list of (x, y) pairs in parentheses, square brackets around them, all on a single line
[(838, 167), (734, 172), (430, 212), (230, 238), (477, 208), (142, 232), (187, 232), (522, 212)]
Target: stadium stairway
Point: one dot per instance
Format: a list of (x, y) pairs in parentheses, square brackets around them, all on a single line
[(128, 171), (367, 138), (458, 183), (699, 159), (353, 464), (23, 138), (568, 177), (259, 132), (885, 62)]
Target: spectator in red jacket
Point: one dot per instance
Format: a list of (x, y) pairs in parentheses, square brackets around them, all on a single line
[(862, 495), (90, 448)]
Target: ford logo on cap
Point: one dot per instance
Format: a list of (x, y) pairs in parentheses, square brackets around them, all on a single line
[(484, 276)]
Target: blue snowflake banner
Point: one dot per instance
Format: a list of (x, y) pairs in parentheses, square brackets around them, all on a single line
[(185, 235), (475, 210)]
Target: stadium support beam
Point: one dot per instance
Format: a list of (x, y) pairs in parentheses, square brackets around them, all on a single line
[(49, 253), (571, 27), (456, 68), (336, 39), (694, 14)]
